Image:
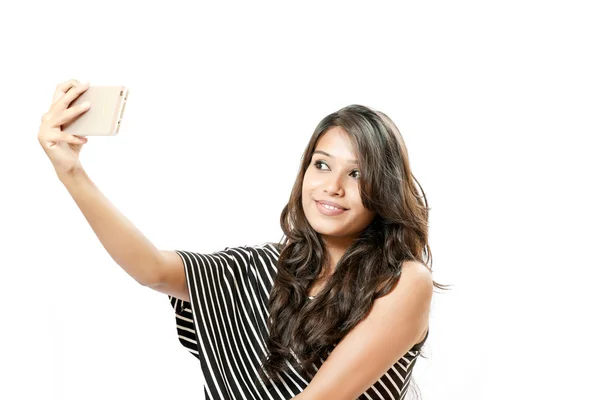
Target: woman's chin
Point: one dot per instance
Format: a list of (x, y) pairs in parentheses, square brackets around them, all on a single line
[(325, 230)]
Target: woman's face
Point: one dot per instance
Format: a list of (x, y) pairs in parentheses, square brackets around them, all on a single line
[(334, 177)]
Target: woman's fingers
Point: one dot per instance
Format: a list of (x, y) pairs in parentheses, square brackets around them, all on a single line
[(62, 88), (56, 114), (56, 137), (69, 114), (67, 98)]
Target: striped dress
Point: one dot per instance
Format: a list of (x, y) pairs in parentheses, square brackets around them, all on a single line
[(224, 325)]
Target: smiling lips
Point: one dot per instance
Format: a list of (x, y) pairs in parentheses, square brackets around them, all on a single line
[(331, 203), (326, 208)]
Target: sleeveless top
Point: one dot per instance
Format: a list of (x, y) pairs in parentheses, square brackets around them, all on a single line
[(224, 325)]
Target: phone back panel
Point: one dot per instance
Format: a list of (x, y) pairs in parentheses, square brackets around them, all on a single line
[(103, 118)]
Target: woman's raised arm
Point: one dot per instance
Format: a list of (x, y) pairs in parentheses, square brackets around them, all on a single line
[(125, 244)]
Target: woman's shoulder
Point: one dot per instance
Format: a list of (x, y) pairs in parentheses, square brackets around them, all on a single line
[(268, 245), (272, 248), (256, 245)]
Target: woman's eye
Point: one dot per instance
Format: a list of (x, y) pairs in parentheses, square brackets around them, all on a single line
[(319, 163)]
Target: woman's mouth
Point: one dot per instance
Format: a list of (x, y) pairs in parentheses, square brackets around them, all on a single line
[(329, 210)]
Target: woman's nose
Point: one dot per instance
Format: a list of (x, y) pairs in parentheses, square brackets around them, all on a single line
[(334, 185)]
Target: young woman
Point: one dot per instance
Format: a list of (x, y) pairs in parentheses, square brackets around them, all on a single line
[(349, 282)]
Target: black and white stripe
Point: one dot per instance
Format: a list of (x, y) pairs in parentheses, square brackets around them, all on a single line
[(224, 325)]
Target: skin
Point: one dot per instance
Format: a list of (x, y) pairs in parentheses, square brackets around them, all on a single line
[(336, 179)]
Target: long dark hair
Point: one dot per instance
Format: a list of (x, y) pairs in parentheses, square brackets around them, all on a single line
[(371, 265)]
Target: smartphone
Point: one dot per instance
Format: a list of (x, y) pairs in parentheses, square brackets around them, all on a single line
[(103, 118)]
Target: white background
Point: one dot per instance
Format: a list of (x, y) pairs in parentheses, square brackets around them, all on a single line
[(497, 102)]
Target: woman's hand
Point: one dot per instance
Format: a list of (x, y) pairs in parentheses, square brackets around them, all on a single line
[(63, 149)]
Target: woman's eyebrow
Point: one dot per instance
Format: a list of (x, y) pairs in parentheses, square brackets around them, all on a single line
[(329, 155)]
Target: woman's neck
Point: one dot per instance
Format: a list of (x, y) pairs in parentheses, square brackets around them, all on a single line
[(335, 248)]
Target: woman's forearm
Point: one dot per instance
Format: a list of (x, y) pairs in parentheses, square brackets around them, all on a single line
[(127, 246)]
